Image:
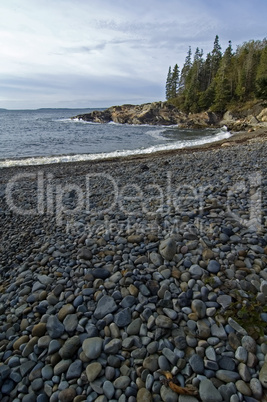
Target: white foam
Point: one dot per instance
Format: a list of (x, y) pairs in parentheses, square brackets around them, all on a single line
[(222, 134)]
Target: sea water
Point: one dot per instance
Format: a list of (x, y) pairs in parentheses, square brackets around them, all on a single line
[(34, 137)]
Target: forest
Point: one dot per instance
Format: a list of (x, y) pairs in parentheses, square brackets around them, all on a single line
[(220, 81)]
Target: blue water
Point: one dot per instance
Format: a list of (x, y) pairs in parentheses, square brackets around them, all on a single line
[(50, 135)]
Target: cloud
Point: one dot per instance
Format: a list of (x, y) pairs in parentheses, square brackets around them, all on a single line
[(52, 47)]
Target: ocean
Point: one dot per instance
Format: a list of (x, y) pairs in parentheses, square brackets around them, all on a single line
[(36, 137)]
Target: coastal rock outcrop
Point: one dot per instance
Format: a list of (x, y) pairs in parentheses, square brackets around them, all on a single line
[(156, 113), (165, 114)]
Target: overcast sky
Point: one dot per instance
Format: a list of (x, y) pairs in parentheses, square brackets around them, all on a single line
[(97, 53)]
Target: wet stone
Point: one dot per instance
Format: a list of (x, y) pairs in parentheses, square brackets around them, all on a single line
[(227, 376), (92, 347), (213, 266), (123, 318), (197, 364), (249, 344), (208, 392), (105, 305), (54, 327), (163, 322)]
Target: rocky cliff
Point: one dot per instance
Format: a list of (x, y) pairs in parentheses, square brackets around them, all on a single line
[(165, 114)]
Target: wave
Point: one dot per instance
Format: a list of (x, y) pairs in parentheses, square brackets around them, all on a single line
[(44, 160)]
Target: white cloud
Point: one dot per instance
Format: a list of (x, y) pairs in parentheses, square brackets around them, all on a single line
[(57, 44)]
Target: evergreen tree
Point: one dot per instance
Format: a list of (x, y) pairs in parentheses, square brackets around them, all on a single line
[(185, 70), (193, 82), (169, 84), (216, 56), (221, 79), (175, 81), (261, 76), (172, 83)]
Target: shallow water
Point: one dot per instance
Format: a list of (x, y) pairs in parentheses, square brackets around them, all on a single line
[(33, 137)]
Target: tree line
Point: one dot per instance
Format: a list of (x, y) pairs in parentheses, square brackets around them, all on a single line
[(220, 80)]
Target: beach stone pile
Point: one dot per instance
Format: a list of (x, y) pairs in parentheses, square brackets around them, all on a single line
[(99, 307)]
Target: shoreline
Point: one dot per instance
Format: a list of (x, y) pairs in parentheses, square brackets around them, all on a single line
[(114, 272), (235, 139)]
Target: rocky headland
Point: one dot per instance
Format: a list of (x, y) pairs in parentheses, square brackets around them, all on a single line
[(163, 113), (150, 286)]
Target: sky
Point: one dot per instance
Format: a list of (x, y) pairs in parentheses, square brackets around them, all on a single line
[(98, 53)]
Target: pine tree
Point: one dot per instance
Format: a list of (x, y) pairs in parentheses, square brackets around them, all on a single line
[(221, 79), (216, 56), (169, 84), (175, 81), (261, 77), (223, 82), (185, 70)]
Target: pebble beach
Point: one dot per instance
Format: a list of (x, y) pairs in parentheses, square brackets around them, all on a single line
[(122, 279)]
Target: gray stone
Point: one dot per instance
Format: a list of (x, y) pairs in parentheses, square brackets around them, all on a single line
[(213, 266), (167, 248), (8, 386), (227, 390), (93, 370), (70, 322), (54, 346), (156, 259), (4, 371), (74, 370), (208, 392), (236, 326), (224, 300), (92, 347), (263, 375), (170, 355), (108, 389), (168, 395), (113, 346), (256, 388), (163, 322), (241, 354), (26, 367), (105, 305), (122, 382), (54, 327), (128, 301), (196, 271), (134, 327), (227, 375), (37, 384), (85, 253), (197, 364), (226, 363), (203, 329), (62, 366), (210, 353), (151, 362), (47, 372), (242, 387), (218, 331), (45, 280), (187, 398), (70, 347), (244, 372), (249, 344), (123, 318), (199, 307)]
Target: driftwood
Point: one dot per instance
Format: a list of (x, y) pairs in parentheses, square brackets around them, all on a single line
[(173, 383)]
